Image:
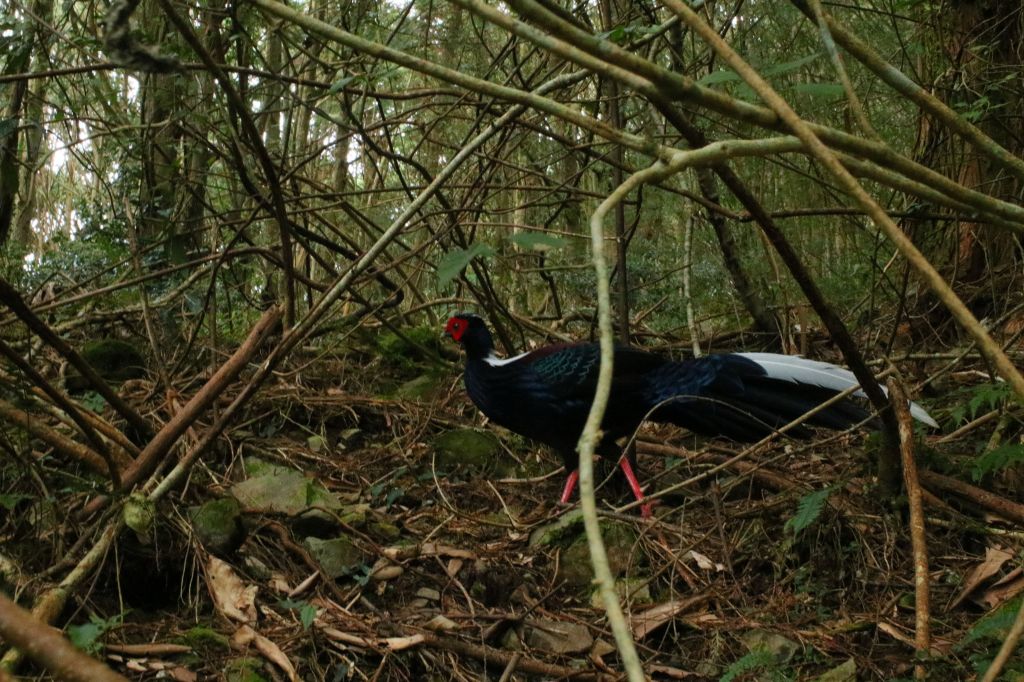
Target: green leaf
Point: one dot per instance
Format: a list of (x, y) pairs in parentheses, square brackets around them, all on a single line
[(10, 500), (87, 636), (720, 76), (808, 510), (997, 459), (989, 396), (537, 241), (307, 612), (788, 67), (92, 400), (339, 85), (829, 90), (994, 626), (306, 615), (456, 261), (746, 93), (393, 494)]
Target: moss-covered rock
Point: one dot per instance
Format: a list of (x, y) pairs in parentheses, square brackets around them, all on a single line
[(115, 360), (416, 344), (355, 515), (244, 670), (422, 387), (574, 567), (562, 530), (637, 591), (844, 672), (337, 557), (384, 530), (470, 450), (218, 525), (277, 489), (204, 639)]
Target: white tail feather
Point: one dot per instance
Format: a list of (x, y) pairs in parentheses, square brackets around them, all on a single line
[(803, 371)]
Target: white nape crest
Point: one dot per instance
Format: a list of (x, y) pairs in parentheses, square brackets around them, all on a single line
[(494, 361), (799, 370)]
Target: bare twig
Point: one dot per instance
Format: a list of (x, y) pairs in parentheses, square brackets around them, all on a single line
[(983, 498), (51, 437), (922, 610), (591, 432)]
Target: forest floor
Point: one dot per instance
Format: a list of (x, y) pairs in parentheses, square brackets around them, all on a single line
[(340, 535)]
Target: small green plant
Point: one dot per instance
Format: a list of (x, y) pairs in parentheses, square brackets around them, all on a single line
[(993, 626), (808, 510), (990, 631), (10, 500), (91, 400), (754, 661), (997, 459), (990, 396), (88, 635), (307, 612)]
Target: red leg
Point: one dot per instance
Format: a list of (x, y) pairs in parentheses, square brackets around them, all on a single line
[(570, 485), (634, 484)]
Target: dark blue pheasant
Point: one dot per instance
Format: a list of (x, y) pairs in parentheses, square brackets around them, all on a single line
[(546, 394)]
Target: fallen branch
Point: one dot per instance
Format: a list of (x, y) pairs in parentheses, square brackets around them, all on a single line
[(55, 439), (50, 604), (47, 647), (13, 300), (983, 498), (161, 444), (73, 411)]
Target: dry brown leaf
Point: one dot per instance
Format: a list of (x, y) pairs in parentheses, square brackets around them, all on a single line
[(558, 637), (1009, 577), (702, 621), (670, 672), (645, 622), (601, 649), (995, 557), (392, 643), (245, 635), (704, 563), (939, 647), (384, 570), (440, 622), (180, 674), (1003, 591), (233, 598)]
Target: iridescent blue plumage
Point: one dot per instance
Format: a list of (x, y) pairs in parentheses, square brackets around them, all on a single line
[(546, 394)]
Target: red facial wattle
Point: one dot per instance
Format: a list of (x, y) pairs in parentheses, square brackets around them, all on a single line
[(455, 328)]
